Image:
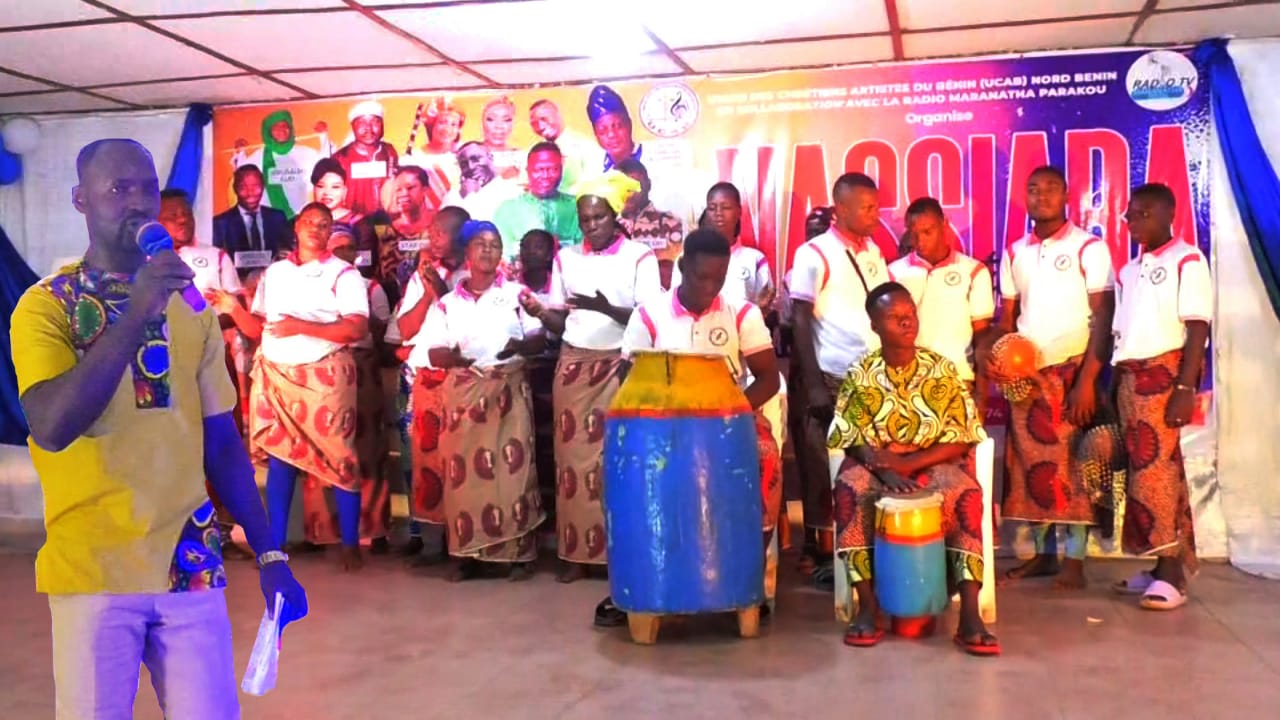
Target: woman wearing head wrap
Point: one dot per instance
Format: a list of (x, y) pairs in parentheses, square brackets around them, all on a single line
[(594, 289), (612, 125), (497, 120), (286, 164), (443, 122), (480, 334), (319, 506)]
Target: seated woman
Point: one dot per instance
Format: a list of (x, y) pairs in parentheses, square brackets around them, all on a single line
[(480, 334), (907, 424)]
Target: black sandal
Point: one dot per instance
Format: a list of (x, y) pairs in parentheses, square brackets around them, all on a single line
[(608, 615)]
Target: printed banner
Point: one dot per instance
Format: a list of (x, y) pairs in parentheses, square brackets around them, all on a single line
[(967, 132)]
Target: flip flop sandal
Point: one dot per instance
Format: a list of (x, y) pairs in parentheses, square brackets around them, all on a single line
[(608, 615), (1161, 595), (983, 644), (1136, 585), (856, 636), (824, 578)]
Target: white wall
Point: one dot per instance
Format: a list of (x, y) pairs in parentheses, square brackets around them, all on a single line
[(37, 213)]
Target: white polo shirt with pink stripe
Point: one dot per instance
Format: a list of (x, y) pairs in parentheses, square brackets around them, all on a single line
[(1052, 280), (748, 277), (626, 272), (480, 326), (734, 329), (379, 309), (322, 291), (824, 274), (950, 297), (1156, 294), (213, 268)]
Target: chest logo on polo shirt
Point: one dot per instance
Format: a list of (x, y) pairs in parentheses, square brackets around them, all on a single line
[(1062, 262), (952, 278), (1158, 275), (744, 272), (872, 271), (718, 337), (200, 262)]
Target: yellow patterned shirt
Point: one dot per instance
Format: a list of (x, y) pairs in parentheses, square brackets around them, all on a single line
[(918, 405)]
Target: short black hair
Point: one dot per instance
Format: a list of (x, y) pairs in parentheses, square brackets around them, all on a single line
[(456, 214), (539, 234), (544, 101), (631, 165), (727, 188), (1051, 171), (923, 205), (851, 180), (175, 194), (706, 242), (1157, 192), (880, 292), (545, 146), (242, 171), (324, 166), (423, 178), (88, 152)]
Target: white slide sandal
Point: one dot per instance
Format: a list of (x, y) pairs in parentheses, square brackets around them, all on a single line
[(1161, 595), (1136, 585)]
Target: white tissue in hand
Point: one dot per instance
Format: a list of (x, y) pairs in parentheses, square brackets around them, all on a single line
[(260, 675)]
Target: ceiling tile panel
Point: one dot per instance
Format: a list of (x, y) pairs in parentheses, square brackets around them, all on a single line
[(18, 13), (1243, 21), (521, 30), (1026, 38), (578, 70), (12, 84), (379, 80), (127, 53), (54, 102), (920, 14), (236, 89), (687, 23), (301, 41), (185, 7), (790, 54)]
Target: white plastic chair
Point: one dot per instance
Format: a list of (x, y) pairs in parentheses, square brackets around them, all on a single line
[(984, 460)]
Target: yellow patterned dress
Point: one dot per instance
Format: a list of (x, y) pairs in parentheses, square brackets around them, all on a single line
[(905, 409)]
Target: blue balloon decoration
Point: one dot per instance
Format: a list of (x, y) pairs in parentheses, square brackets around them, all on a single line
[(10, 166)]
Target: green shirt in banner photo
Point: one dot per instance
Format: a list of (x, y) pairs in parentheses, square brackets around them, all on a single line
[(557, 215)]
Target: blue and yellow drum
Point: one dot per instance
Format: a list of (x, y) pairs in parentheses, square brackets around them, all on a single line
[(910, 557), (682, 496)]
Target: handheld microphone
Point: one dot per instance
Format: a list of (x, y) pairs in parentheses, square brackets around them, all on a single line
[(152, 238)]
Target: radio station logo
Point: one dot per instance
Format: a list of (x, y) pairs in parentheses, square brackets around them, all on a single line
[(668, 110), (1162, 80)]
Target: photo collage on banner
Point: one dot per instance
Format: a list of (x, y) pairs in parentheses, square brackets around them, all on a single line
[(965, 132)]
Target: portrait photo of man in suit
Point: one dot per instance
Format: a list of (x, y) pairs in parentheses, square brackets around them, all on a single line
[(251, 233)]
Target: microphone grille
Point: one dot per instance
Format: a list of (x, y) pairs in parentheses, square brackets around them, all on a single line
[(153, 238)]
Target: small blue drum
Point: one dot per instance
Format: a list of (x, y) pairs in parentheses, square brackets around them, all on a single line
[(910, 558)]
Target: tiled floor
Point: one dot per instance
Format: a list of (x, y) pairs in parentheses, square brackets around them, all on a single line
[(390, 644)]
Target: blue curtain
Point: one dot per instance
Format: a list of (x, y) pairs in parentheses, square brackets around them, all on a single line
[(15, 278), (185, 173), (1253, 178)]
